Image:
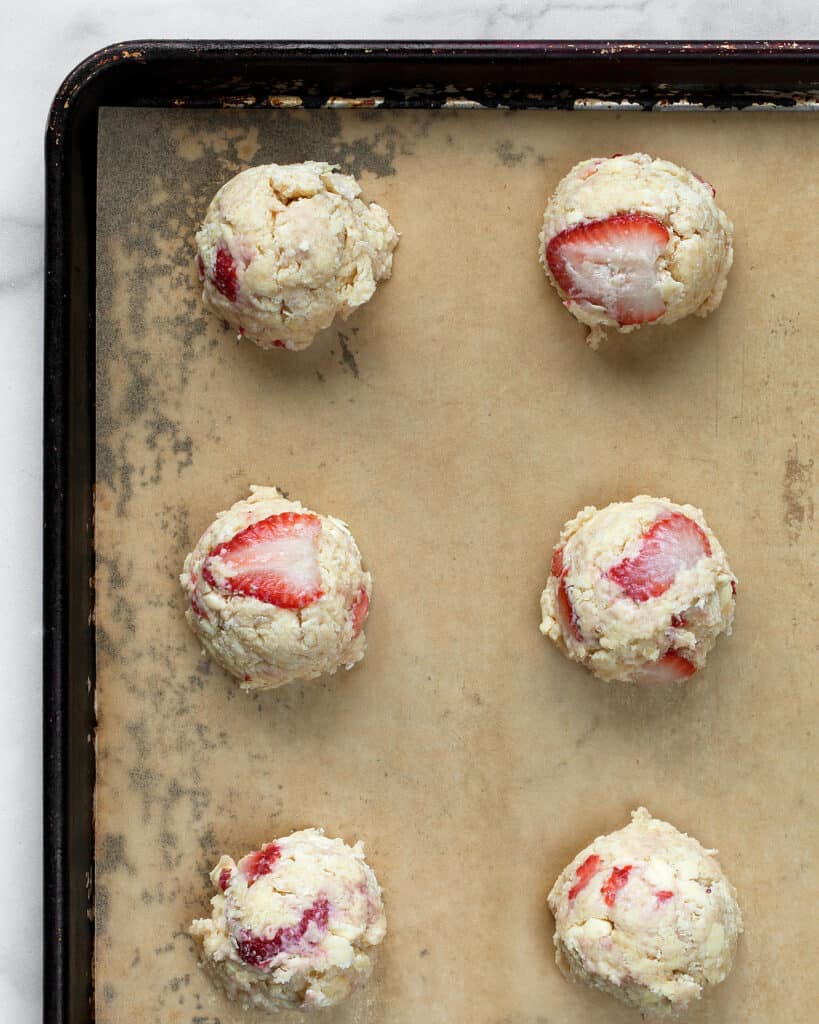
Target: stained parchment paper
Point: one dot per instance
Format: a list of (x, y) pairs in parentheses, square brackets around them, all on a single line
[(455, 423)]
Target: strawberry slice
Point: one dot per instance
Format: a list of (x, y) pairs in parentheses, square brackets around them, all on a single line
[(358, 610), (557, 563), (565, 609), (259, 863), (274, 560), (612, 264), (669, 669), (672, 543), (225, 279), (584, 874), (664, 895), (614, 883), (566, 612)]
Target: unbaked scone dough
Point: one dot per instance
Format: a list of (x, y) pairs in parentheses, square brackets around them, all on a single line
[(285, 248), (631, 240), (647, 915), (277, 593), (639, 591), (293, 924)]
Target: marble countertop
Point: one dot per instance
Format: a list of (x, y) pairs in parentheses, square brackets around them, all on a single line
[(42, 41)]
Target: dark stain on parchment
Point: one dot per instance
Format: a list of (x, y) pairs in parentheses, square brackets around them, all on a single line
[(111, 854), (797, 493), (347, 355)]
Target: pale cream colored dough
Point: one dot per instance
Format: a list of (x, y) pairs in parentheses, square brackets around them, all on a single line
[(293, 924), (594, 621), (693, 268), (263, 645), (284, 249), (646, 915)]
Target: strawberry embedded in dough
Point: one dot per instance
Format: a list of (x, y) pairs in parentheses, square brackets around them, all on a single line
[(275, 561), (225, 277), (359, 610), (638, 592), (274, 592), (259, 863), (288, 248), (298, 936), (612, 264), (658, 926), (632, 240), (566, 612), (614, 883), (262, 950), (672, 543), (671, 668), (585, 873)]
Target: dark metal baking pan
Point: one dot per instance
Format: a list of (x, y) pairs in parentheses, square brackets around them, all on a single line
[(252, 74)]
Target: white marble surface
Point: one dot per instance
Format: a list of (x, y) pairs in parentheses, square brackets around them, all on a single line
[(42, 40)]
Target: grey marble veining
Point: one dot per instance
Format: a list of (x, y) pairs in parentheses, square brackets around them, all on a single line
[(41, 41)]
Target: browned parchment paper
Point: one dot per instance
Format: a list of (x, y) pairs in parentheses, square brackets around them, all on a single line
[(455, 423)]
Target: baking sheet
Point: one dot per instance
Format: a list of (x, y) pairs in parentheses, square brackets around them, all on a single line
[(455, 422)]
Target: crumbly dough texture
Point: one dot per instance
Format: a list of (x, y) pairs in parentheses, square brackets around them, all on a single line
[(265, 646), (310, 924), (304, 246), (655, 936), (693, 269), (620, 636)]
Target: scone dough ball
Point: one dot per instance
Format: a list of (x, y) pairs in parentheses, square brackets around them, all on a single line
[(639, 591), (277, 593), (646, 915), (632, 240), (293, 924), (285, 248)]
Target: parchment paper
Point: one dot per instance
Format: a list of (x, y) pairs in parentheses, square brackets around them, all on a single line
[(455, 422)]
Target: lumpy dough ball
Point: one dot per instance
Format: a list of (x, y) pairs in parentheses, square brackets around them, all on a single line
[(293, 924), (632, 240), (639, 591), (285, 248), (647, 915), (277, 593)]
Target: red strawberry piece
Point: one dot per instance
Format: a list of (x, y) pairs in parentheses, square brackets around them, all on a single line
[(734, 587), (224, 275), (200, 267), (677, 621), (566, 612), (225, 876), (612, 264), (279, 343), (664, 895), (584, 874), (274, 560), (614, 156), (358, 610), (614, 883), (671, 668), (557, 562), (672, 543), (261, 950), (590, 170), (261, 862)]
